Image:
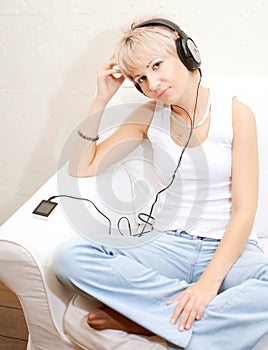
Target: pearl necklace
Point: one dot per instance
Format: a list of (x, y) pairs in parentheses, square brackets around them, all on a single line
[(201, 122)]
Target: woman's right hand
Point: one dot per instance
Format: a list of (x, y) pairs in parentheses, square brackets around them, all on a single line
[(107, 83)]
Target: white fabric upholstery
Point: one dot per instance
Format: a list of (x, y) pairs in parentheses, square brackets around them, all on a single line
[(89, 339), (54, 316)]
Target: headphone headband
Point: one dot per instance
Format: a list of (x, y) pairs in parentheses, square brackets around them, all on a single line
[(186, 48), (163, 22)]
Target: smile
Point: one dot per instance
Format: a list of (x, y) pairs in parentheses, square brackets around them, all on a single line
[(162, 93)]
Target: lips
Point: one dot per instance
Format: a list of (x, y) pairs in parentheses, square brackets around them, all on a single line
[(162, 93)]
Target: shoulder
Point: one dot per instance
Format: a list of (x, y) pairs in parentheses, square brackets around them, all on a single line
[(242, 114), (244, 123), (145, 110), (143, 114)]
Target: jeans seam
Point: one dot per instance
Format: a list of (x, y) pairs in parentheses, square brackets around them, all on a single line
[(226, 305), (159, 301)]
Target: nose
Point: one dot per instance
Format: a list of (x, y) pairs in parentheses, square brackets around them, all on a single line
[(153, 82)]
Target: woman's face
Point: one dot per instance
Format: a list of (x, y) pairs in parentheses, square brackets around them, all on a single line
[(162, 78)]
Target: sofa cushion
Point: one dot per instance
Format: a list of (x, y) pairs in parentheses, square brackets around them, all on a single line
[(76, 327)]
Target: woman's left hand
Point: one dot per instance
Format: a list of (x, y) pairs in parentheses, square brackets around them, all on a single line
[(192, 303)]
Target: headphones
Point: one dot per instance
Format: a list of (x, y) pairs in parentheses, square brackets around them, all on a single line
[(186, 48)]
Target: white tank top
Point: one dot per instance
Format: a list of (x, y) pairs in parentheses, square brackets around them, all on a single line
[(199, 200)]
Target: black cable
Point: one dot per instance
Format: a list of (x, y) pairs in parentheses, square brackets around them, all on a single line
[(148, 216), (128, 223), (192, 121), (88, 200)]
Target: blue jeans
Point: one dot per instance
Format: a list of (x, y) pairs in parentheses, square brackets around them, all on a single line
[(138, 282)]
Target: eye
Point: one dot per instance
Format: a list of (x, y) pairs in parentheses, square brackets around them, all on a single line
[(157, 64), (141, 79)]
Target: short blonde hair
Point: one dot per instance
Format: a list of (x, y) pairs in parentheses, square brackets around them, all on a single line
[(138, 43)]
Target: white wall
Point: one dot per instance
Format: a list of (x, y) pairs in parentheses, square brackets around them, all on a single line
[(50, 51)]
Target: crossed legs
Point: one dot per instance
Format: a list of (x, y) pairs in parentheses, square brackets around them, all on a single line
[(137, 283)]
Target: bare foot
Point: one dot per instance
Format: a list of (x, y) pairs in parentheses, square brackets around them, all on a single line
[(107, 318)]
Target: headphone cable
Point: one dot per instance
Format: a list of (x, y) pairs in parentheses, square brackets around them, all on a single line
[(140, 215), (192, 122)]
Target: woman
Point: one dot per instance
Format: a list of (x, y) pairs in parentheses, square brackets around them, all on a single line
[(203, 280)]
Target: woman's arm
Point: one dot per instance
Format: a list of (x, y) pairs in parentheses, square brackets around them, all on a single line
[(90, 157), (244, 193), (194, 300)]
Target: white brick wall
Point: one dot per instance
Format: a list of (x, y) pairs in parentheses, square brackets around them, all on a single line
[(50, 51)]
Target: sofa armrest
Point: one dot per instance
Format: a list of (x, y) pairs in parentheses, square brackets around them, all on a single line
[(27, 245), (26, 248)]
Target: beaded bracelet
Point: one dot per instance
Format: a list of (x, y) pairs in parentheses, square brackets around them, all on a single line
[(88, 138)]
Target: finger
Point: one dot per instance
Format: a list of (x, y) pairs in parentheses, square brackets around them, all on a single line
[(110, 71), (110, 63), (95, 323), (178, 309), (200, 312), (187, 316), (190, 314), (175, 300), (98, 325), (187, 321)]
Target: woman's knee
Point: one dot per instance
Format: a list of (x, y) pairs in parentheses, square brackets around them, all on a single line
[(65, 261)]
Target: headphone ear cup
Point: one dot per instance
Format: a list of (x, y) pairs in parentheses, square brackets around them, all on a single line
[(137, 86), (186, 48), (188, 53)]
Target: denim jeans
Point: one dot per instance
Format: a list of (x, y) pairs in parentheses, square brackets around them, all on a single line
[(138, 282)]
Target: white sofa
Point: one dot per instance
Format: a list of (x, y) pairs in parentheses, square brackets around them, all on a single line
[(54, 315)]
